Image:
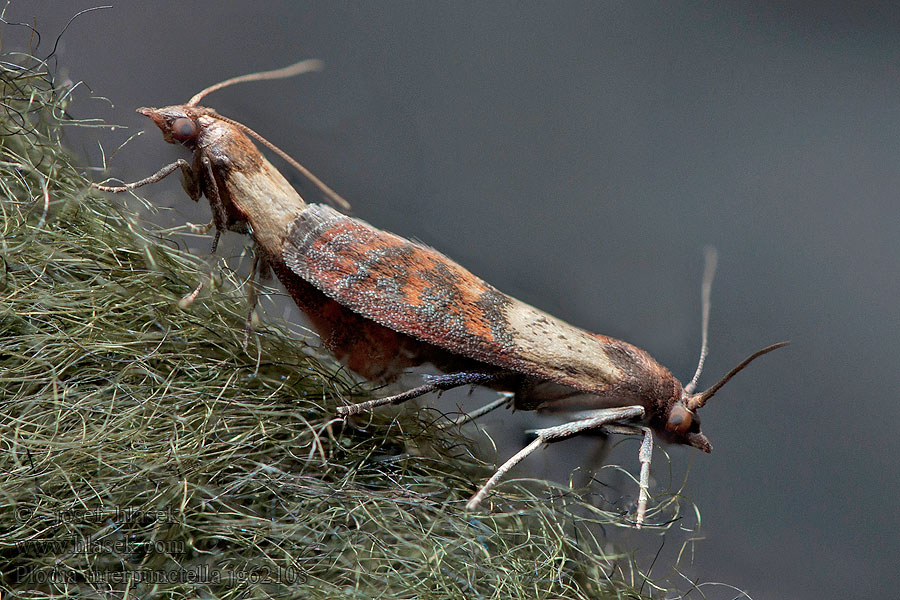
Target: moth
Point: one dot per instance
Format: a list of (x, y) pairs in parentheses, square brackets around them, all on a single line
[(383, 304)]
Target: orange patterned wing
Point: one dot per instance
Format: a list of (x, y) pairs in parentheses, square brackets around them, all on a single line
[(414, 289)]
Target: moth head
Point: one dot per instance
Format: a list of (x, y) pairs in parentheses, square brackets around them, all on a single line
[(682, 426), (179, 124)]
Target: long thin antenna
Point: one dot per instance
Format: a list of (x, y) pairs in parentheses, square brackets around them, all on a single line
[(304, 66), (711, 259), (698, 400), (332, 195)]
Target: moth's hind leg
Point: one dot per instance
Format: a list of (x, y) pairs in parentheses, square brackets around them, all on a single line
[(435, 383)]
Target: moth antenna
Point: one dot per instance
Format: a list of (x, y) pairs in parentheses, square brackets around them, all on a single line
[(330, 194), (304, 66), (711, 259), (698, 400)]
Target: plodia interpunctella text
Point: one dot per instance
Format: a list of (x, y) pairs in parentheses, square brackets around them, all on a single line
[(383, 304)]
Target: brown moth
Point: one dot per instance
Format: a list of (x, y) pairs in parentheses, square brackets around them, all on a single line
[(498, 341), (382, 304)]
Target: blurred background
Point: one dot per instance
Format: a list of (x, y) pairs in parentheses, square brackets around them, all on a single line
[(579, 156)]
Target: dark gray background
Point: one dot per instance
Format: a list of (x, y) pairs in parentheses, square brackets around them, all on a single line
[(579, 156)]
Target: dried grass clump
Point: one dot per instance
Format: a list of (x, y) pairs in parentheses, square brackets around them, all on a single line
[(144, 453)]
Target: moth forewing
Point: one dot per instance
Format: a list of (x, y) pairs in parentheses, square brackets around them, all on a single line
[(540, 338), (418, 291)]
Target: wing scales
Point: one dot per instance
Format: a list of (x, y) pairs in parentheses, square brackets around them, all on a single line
[(416, 290)]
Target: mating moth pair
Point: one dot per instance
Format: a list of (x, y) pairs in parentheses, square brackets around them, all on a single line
[(383, 304)]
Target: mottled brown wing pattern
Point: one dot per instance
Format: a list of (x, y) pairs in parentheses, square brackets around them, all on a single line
[(414, 289), (398, 283)]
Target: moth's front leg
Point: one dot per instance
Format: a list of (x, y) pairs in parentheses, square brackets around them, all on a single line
[(187, 172), (585, 421), (192, 182), (219, 219)]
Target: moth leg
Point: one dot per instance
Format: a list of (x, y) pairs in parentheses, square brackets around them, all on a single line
[(505, 399), (435, 383), (186, 170), (587, 421), (215, 203), (201, 229), (191, 184), (259, 270), (645, 455), (190, 181)]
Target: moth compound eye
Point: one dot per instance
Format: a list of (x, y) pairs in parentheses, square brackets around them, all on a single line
[(183, 129), (679, 419)]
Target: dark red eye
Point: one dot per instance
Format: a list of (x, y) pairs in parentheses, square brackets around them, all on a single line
[(679, 420), (183, 129)]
